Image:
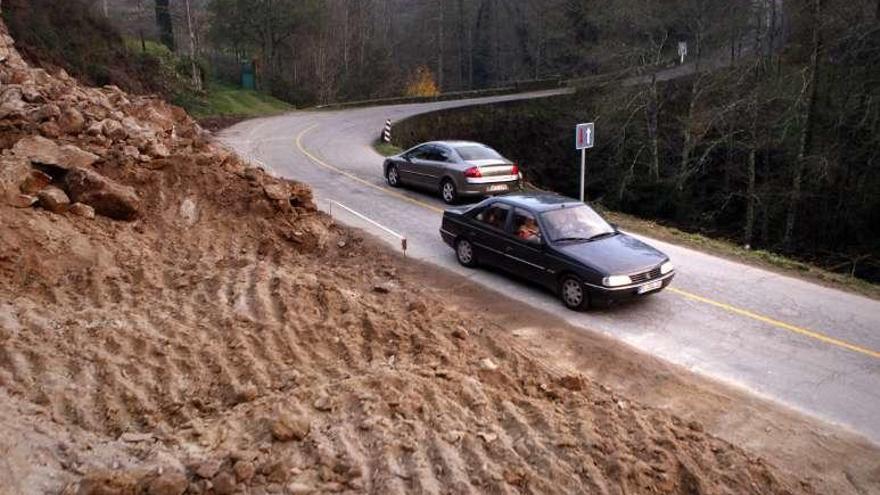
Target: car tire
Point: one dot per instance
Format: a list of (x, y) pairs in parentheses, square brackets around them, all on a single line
[(464, 253), (573, 294), (448, 192), (392, 176)]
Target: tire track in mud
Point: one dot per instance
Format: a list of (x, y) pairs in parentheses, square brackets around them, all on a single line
[(229, 330)]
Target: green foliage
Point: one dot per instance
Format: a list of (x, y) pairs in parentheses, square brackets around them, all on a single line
[(387, 149), (229, 101)]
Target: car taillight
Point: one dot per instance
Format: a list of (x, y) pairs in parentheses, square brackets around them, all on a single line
[(473, 172), (514, 170)]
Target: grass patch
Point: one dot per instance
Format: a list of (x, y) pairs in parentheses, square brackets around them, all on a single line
[(730, 250), (226, 101), (387, 149)]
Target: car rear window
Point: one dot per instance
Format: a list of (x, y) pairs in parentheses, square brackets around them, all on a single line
[(477, 152)]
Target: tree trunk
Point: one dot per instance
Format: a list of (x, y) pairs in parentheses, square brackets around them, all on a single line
[(165, 23), (749, 230), (440, 45), (652, 111), (194, 66), (809, 110)]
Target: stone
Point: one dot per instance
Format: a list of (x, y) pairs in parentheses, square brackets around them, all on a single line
[(289, 427), (158, 150), (21, 200), (50, 129), (383, 288), (171, 482), (11, 102), (277, 191), (208, 469), (297, 488), (113, 129), (488, 365), (417, 307), (460, 333), (35, 182), (71, 121), (107, 197), (38, 149), (54, 199), (323, 403), (573, 382), (45, 112), (244, 471), (224, 484), (82, 210)]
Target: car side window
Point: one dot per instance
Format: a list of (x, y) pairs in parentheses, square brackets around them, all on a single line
[(525, 227), (442, 154), (495, 216), (420, 153)]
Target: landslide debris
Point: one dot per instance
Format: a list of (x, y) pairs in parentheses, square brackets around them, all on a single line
[(184, 323)]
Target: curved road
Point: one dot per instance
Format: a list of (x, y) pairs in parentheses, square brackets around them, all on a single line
[(813, 348)]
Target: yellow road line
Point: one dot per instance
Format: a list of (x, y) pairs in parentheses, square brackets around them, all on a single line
[(776, 323), (355, 178), (727, 307)]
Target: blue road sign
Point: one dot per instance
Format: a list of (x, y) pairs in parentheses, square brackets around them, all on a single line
[(585, 136)]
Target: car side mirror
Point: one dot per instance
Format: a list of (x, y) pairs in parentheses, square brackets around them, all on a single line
[(615, 227)]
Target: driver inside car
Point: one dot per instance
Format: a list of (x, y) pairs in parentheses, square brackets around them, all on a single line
[(529, 231)]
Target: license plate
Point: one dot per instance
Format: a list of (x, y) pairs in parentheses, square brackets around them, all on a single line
[(650, 286), (497, 188)]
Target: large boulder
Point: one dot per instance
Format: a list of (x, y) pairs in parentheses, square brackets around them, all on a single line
[(38, 149), (107, 197)]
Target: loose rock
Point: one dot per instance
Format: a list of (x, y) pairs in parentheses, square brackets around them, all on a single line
[(35, 182), (488, 365), (290, 427), (54, 199), (224, 484), (41, 150), (172, 482), (82, 210), (21, 200), (107, 197)]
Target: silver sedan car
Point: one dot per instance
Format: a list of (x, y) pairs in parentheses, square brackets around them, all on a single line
[(455, 169)]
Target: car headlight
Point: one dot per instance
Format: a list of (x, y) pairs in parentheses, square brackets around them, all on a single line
[(666, 268), (616, 280)]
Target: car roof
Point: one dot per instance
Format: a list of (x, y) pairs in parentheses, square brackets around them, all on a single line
[(538, 202), (459, 144)]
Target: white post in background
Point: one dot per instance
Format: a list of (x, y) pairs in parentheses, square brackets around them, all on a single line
[(386, 132), (583, 172)]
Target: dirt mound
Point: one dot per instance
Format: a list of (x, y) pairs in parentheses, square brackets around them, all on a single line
[(228, 338)]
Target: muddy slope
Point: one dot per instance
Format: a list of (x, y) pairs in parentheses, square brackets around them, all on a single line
[(224, 337)]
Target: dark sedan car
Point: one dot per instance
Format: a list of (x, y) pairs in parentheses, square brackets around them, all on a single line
[(455, 169), (559, 243)]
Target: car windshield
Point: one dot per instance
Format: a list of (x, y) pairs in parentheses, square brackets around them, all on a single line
[(477, 152), (579, 223)]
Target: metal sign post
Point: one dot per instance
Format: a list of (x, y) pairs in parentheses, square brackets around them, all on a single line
[(585, 138)]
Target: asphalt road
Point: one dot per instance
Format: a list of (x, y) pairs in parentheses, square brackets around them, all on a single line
[(810, 347)]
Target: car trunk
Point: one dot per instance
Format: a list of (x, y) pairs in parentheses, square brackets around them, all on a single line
[(493, 168)]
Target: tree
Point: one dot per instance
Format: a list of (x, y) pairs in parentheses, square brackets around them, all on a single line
[(165, 23)]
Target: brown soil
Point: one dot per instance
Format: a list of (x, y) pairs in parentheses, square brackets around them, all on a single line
[(228, 342)]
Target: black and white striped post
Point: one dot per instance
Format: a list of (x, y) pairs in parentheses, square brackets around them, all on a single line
[(386, 133)]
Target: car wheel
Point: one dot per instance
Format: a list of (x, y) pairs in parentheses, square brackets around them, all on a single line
[(392, 176), (573, 293), (448, 192), (464, 251)]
